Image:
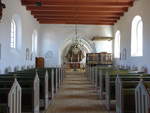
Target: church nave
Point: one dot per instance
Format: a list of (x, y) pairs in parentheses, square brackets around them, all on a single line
[(76, 95)]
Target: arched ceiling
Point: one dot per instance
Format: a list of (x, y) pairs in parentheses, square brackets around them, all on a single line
[(96, 12)]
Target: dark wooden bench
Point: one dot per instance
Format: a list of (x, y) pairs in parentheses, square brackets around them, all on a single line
[(10, 96), (110, 87), (43, 85), (142, 97), (125, 93), (30, 91), (102, 72), (49, 82)]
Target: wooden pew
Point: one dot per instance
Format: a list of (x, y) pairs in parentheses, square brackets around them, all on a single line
[(48, 81), (142, 98), (30, 91), (56, 79), (59, 76), (43, 77), (110, 86), (96, 76), (93, 74), (125, 94), (102, 72), (54, 76), (54, 73), (110, 78), (87, 70), (51, 83), (10, 96)]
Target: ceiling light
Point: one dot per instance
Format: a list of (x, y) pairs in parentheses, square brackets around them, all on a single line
[(38, 4), (2, 5)]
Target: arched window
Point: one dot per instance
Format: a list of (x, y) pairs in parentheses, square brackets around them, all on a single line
[(13, 34), (34, 42), (117, 45), (137, 37)]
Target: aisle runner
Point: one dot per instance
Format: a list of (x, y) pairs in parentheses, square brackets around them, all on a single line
[(76, 96)]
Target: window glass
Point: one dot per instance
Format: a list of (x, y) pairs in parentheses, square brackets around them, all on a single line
[(137, 37), (13, 34), (34, 42), (117, 45)]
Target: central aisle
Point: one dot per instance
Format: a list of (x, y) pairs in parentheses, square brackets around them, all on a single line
[(76, 95)]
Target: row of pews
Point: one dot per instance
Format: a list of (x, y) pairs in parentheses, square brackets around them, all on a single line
[(29, 91), (121, 90)]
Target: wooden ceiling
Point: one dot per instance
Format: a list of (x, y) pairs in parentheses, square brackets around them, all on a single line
[(95, 12)]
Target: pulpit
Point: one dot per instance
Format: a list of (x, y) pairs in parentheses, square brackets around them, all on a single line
[(39, 62)]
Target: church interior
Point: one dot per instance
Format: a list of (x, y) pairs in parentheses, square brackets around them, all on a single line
[(74, 56)]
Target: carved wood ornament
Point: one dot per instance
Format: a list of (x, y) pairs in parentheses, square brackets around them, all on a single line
[(2, 6)]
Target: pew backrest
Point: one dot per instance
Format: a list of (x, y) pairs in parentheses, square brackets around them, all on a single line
[(14, 98), (142, 98), (36, 94), (52, 83), (46, 90), (118, 86)]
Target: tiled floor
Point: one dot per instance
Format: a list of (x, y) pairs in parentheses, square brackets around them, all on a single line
[(76, 95)]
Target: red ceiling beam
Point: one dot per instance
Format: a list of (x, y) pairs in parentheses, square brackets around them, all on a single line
[(85, 23), (80, 2), (73, 20), (81, 16), (74, 13), (81, 19), (97, 12), (94, 9)]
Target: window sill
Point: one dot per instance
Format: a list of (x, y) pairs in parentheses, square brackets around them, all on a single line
[(136, 56)]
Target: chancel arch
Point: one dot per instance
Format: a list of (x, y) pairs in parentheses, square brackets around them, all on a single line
[(68, 50)]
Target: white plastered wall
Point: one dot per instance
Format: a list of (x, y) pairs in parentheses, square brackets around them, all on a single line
[(55, 38), (12, 58), (142, 8)]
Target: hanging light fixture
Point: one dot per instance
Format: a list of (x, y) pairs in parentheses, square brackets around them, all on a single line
[(38, 4), (77, 45), (2, 6), (76, 42)]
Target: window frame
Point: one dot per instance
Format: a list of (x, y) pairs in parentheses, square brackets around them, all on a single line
[(117, 44), (137, 37), (13, 34), (34, 42)]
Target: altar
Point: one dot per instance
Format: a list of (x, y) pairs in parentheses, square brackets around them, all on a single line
[(74, 66)]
